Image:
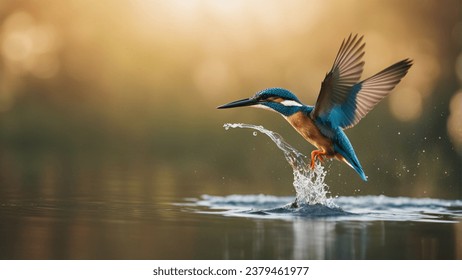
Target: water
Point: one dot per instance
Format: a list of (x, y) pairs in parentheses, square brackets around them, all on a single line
[(313, 201), (360, 208), (56, 205), (309, 184)]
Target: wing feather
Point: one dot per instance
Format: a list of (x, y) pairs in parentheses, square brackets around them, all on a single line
[(345, 73), (365, 95), (343, 100)]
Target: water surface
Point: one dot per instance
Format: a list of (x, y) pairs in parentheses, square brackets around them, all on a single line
[(101, 209), (229, 227)]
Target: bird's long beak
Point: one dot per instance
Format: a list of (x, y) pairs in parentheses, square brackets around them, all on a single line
[(239, 103)]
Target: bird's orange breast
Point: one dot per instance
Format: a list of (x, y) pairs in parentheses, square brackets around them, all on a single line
[(306, 127)]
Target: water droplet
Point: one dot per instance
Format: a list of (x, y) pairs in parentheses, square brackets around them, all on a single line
[(255, 133), (399, 133)]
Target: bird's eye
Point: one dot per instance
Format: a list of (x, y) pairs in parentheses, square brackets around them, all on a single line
[(260, 98), (270, 99)]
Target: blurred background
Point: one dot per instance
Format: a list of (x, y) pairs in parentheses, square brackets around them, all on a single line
[(121, 95)]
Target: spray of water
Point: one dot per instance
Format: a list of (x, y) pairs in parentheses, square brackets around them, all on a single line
[(309, 184)]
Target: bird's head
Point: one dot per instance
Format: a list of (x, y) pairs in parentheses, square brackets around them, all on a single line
[(275, 99)]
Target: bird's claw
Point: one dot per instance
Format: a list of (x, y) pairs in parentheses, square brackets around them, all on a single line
[(317, 154)]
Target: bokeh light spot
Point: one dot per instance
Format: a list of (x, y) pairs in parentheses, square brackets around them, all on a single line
[(458, 66), (455, 120), (29, 46), (406, 104)]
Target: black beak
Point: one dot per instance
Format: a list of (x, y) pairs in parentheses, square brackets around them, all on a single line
[(239, 103)]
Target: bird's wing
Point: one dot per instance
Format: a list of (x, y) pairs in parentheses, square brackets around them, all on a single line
[(366, 94), (345, 73)]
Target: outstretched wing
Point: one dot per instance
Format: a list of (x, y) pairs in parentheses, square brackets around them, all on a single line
[(345, 73), (366, 94)]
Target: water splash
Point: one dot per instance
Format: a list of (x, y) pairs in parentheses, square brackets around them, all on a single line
[(309, 184)]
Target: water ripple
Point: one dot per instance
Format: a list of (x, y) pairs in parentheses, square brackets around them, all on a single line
[(349, 208)]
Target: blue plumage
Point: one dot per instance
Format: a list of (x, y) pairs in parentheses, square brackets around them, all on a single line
[(343, 146), (342, 102)]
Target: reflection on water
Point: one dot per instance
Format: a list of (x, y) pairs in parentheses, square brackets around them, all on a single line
[(74, 206), (113, 206), (370, 228), (166, 227), (109, 206)]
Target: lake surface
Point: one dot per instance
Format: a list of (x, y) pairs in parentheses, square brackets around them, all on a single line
[(58, 206), (229, 227)]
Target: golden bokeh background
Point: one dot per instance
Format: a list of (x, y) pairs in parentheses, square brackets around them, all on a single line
[(128, 89)]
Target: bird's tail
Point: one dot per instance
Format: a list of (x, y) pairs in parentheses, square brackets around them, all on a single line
[(353, 162), (346, 153)]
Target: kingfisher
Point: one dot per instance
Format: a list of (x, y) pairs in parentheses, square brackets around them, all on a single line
[(342, 102)]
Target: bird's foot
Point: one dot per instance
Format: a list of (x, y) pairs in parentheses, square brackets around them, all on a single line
[(317, 154)]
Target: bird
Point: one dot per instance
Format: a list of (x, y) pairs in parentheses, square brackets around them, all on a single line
[(342, 102)]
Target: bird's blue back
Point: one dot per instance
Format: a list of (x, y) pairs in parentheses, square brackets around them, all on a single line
[(343, 115)]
